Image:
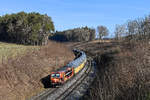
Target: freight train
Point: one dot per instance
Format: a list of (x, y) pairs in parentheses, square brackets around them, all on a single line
[(65, 73)]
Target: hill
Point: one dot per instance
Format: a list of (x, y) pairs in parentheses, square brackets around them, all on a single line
[(123, 70), (22, 67)]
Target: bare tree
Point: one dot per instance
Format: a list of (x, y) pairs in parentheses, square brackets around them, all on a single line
[(137, 29), (120, 30), (133, 29), (146, 27), (103, 31)]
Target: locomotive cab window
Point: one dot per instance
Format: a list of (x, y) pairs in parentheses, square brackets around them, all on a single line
[(55, 75), (68, 73)]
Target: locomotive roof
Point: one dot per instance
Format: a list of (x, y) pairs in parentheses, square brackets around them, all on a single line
[(76, 60)]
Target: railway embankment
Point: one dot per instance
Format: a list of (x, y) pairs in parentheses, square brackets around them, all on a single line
[(74, 88)]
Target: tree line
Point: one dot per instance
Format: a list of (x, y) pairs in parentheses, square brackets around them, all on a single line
[(132, 30), (26, 28), (75, 35), (138, 29), (34, 28)]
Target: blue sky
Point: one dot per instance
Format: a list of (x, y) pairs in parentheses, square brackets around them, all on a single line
[(68, 14)]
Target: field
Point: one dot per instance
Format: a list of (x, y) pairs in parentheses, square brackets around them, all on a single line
[(23, 67), (9, 50)]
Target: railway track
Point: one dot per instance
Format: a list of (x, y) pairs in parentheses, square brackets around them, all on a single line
[(66, 93), (66, 89)]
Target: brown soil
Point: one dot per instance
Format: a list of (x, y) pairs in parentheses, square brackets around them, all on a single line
[(20, 77)]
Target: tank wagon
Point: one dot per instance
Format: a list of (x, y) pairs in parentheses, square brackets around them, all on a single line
[(63, 74)]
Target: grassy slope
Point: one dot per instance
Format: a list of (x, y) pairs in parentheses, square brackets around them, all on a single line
[(9, 50), (24, 67)]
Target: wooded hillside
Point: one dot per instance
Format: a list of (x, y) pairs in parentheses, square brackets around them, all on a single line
[(75, 35), (26, 28)]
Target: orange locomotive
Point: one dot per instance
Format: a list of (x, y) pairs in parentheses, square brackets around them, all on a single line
[(72, 68), (59, 77)]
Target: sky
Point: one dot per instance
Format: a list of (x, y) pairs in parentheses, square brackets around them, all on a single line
[(68, 14)]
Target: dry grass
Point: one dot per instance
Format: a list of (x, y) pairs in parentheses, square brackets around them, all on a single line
[(123, 74), (8, 50), (123, 70), (20, 76)]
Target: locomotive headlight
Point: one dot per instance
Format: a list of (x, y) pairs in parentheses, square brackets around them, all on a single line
[(55, 80)]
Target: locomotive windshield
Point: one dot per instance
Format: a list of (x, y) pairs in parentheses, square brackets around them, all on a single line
[(55, 75)]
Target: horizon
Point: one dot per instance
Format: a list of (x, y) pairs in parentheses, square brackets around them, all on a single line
[(73, 14)]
